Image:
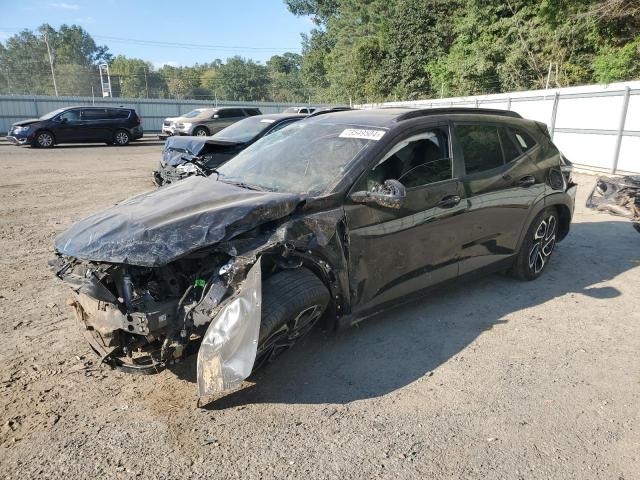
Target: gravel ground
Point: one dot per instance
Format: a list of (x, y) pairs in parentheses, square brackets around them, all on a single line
[(494, 379)]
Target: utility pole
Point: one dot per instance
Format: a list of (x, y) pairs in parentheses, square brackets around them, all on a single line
[(53, 74), (146, 85)]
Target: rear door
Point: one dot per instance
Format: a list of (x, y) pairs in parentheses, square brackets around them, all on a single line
[(97, 123), (394, 252), (501, 183), (226, 117)]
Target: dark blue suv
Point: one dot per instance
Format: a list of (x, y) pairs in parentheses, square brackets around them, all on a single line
[(116, 126)]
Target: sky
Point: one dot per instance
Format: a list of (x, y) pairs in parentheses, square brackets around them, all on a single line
[(254, 29)]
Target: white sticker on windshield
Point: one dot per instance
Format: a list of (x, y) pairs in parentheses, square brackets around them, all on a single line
[(363, 133), (267, 120)]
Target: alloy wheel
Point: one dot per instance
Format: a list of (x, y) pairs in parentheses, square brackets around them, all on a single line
[(122, 138), (544, 239), (45, 140), (201, 133)]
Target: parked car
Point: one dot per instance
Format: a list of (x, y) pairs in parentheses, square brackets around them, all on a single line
[(338, 216), (306, 110), (111, 125), (203, 122), (168, 128), (186, 156)]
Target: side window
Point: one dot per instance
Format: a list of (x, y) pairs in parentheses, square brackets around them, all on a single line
[(252, 111), (480, 146), (70, 115), (118, 113), (415, 161), (524, 139), (230, 113), (511, 151), (94, 114)]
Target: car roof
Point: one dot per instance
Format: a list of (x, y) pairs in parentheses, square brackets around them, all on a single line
[(96, 106), (390, 116)]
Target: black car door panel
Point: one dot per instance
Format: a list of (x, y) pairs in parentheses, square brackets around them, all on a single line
[(394, 252), (499, 198)]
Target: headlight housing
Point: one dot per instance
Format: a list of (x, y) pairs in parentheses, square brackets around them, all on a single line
[(20, 129)]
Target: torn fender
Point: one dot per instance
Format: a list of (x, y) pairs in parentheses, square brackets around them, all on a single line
[(228, 349)]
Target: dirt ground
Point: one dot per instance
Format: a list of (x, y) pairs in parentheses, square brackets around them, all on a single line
[(494, 379)]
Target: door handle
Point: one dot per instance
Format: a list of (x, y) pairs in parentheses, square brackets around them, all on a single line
[(527, 181), (449, 201)]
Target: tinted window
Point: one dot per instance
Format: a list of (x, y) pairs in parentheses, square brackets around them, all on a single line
[(70, 115), (230, 113), (480, 147), (524, 139), (511, 151), (252, 111), (416, 161), (94, 114), (118, 113)]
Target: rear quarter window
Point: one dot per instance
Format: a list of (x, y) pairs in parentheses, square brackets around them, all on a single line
[(118, 113), (523, 139)]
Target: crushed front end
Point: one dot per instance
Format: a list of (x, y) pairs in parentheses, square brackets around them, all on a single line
[(141, 319)]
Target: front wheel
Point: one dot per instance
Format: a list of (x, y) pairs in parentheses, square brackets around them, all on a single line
[(43, 140), (537, 246), (122, 138), (292, 303)]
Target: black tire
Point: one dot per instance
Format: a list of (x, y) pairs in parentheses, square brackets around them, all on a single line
[(292, 303), (201, 132), (537, 247), (44, 139), (121, 138)]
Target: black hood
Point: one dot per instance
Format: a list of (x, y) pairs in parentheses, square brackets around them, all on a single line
[(29, 121), (178, 146), (154, 228)]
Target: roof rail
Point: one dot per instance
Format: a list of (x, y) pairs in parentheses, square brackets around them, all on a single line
[(329, 110), (420, 112)]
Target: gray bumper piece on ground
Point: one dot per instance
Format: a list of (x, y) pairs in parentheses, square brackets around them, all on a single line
[(228, 350)]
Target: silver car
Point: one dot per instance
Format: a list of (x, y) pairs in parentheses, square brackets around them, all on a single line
[(202, 122)]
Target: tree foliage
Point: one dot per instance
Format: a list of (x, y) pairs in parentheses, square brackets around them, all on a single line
[(372, 50), (365, 51)]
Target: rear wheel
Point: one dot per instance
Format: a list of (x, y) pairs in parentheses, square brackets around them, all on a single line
[(43, 140), (121, 138), (201, 132), (537, 246), (292, 303)]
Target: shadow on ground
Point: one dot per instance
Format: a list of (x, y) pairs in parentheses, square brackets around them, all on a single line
[(396, 348)]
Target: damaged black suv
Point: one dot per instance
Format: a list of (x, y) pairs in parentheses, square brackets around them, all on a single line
[(334, 217)]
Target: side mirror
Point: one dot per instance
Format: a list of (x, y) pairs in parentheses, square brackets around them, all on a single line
[(391, 195), (64, 120)]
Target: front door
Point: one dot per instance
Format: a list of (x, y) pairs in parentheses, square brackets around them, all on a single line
[(394, 252), (67, 126)]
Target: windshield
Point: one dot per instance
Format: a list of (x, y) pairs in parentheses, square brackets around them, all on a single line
[(291, 110), (244, 130), (302, 158), (49, 115), (193, 113)]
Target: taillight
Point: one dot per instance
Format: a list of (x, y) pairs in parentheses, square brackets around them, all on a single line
[(138, 120)]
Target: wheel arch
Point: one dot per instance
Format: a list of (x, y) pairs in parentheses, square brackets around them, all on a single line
[(44, 129)]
